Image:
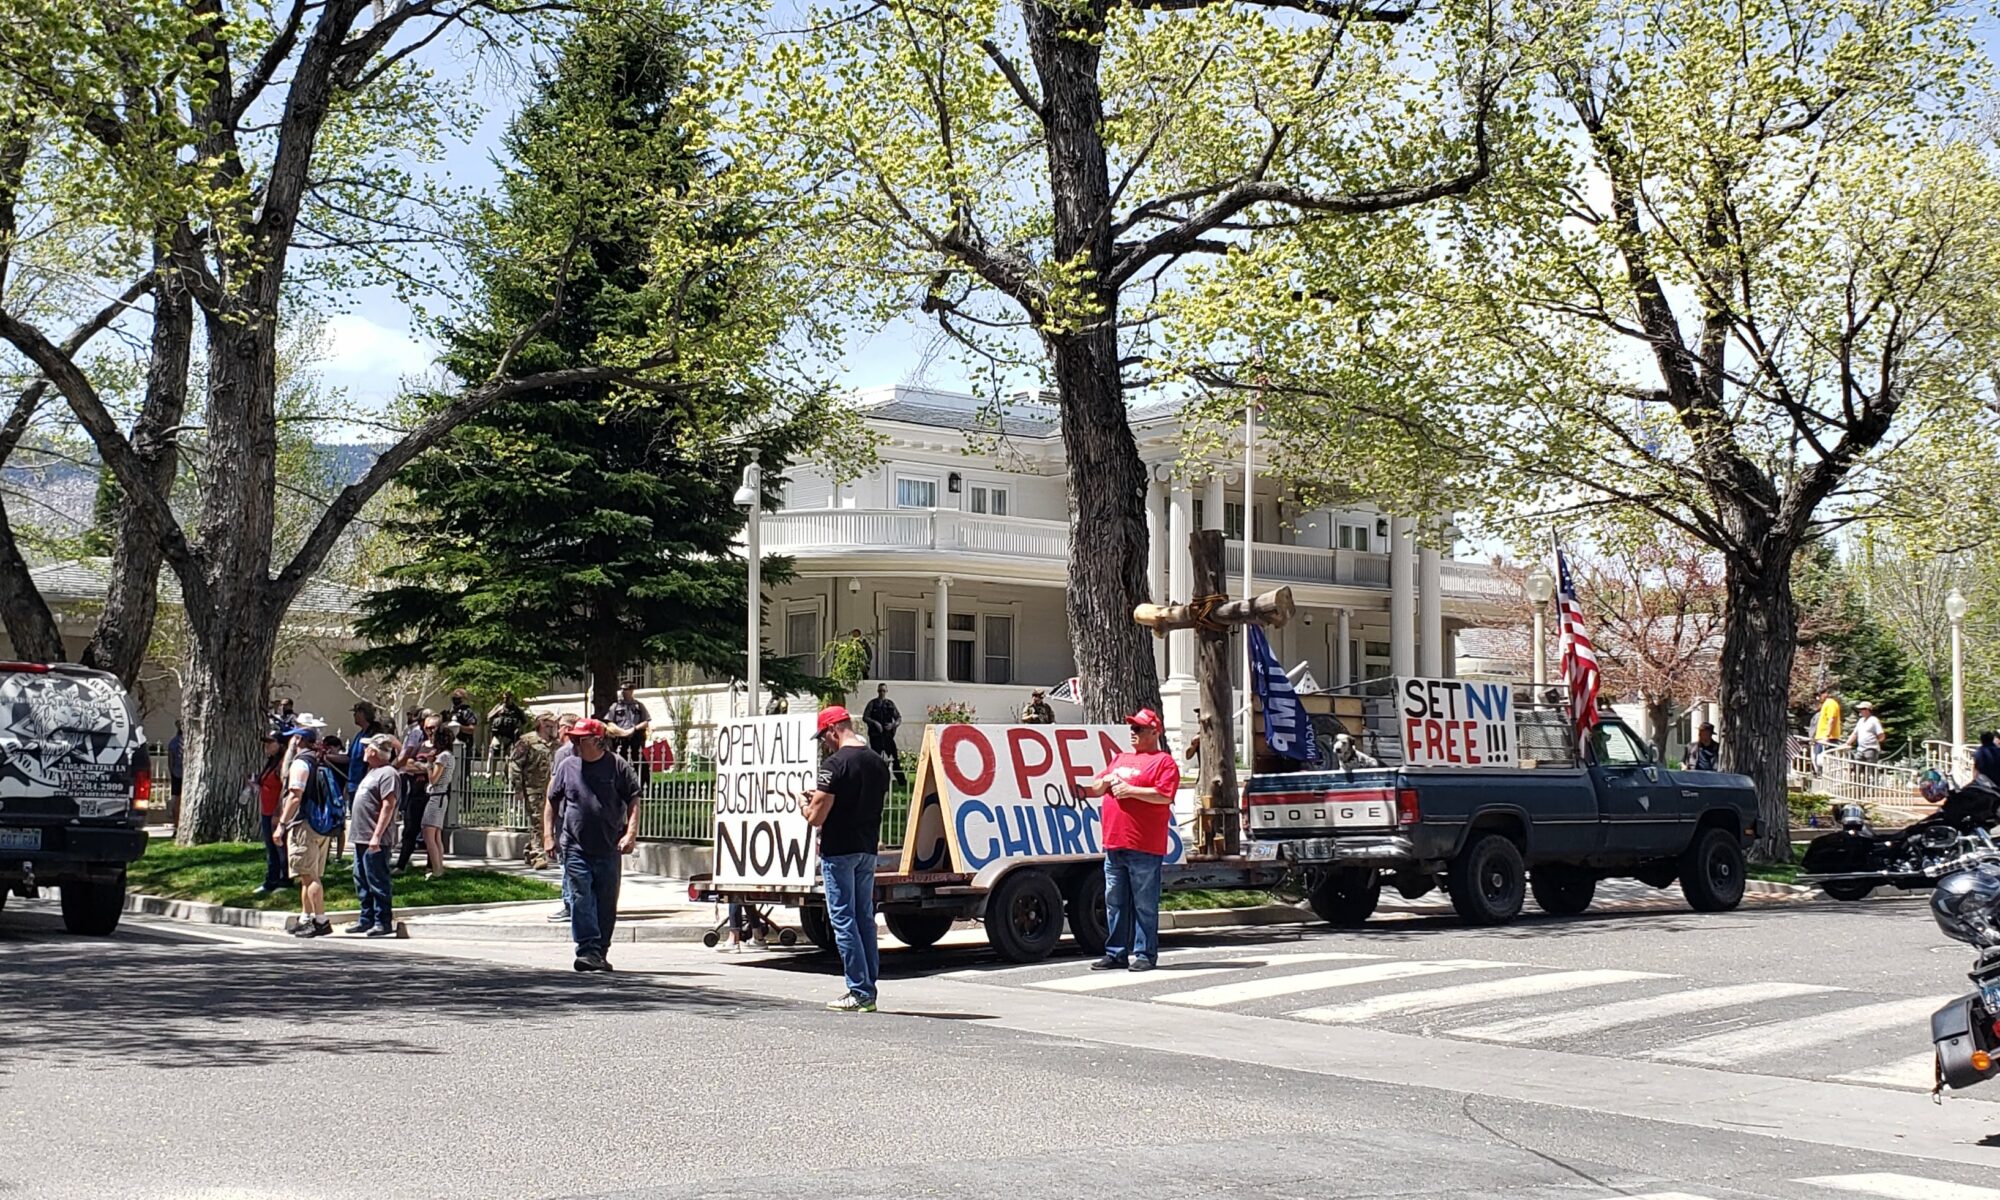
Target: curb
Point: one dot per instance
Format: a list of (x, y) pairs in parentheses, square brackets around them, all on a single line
[(638, 927)]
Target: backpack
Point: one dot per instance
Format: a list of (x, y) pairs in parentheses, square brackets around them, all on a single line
[(324, 805)]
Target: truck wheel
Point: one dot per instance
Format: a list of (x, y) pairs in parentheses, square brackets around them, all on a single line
[(1847, 889), (1089, 924), (1712, 871), (818, 930), (92, 909), (1346, 898), (1561, 890), (1024, 915), (1488, 882), (917, 930)]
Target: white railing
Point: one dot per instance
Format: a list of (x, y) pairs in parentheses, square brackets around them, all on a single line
[(1012, 536), (1890, 789), (1953, 762), (1475, 579)]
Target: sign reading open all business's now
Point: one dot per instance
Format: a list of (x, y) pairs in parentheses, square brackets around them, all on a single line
[(764, 766), (1455, 722)]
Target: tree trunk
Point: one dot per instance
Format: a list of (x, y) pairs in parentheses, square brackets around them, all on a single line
[(1107, 482), (604, 687), (1660, 715), (223, 721), (132, 599), (31, 628), (1759, 638)]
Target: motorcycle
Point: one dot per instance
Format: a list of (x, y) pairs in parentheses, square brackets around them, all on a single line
[(1966, 1032), (1850, 864)]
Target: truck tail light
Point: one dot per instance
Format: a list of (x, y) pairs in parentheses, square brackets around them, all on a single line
[(1407, 810), (142, 787)]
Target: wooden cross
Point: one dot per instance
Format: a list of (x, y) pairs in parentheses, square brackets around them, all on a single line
[(1218, 827)]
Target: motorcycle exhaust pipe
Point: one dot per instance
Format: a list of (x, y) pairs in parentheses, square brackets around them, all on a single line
[(1966, 1043)]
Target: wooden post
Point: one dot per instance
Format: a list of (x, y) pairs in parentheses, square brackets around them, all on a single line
[(1218, 823)]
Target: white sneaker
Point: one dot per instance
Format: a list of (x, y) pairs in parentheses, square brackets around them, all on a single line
[(761, 946)]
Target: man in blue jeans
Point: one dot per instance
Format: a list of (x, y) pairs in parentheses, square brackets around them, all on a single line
[(1138, 790), (371, 829), (845, 805), (597, 793)]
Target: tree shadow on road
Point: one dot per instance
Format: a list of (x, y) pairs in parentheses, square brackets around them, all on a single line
[(147, 997)]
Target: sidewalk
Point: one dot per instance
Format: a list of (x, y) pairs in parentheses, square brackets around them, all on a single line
[(650, 908)]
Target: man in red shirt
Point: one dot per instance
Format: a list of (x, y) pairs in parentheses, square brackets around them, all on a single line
[(1138, 789)]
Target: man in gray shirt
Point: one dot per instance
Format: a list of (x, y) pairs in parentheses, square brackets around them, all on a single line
[(371, 828)]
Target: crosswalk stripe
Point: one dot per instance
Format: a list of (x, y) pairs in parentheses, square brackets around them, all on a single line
[(1099, 981), (1759, 1041), (1916, 1071), (1902, 1187), (1313, 981), (1544, 1026), (1484, 992)]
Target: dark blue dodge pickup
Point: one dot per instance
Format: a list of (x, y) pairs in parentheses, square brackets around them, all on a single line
[(1551, 826)]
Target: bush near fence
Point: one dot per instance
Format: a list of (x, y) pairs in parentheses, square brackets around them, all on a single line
[(675, 806)]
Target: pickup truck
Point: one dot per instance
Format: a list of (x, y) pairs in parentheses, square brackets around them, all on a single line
[(1490, 836)]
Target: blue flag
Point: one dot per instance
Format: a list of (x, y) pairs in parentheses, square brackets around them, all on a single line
[(1287, 728)]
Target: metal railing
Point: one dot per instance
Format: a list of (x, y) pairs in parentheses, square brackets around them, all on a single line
[(1888, 788), (677, 805)]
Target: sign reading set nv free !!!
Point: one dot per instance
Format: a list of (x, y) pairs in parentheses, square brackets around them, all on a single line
[(991, 792), (1455, 722), (764, 766)]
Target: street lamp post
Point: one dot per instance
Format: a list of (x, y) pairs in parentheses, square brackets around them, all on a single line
[(1540, 588), (751, 497), (1954, 608)]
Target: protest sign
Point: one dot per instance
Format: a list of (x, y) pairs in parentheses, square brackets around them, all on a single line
[(764, 766), (1455, 722)]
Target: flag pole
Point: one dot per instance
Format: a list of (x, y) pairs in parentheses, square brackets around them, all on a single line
[(1249, 540)]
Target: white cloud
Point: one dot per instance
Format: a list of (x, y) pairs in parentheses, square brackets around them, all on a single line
[(373, 355)]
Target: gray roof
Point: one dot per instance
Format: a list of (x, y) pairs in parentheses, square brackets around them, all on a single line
[(89, 579), (1010, 421)]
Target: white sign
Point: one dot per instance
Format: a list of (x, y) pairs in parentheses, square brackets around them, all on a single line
[(764, 766), (993, 792), (1455, 722)]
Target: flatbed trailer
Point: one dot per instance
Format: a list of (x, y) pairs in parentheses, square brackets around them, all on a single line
[(1024, 903)]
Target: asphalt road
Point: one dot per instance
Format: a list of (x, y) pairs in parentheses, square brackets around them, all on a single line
[(1571, 1059)]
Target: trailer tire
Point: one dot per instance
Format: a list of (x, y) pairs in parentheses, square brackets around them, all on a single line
[(1089, 924), (1562, 890), (1024, 915), (1712, 871), (917, 930), (818, 929), (1488, 881), (1847, 889), (1345, 899)]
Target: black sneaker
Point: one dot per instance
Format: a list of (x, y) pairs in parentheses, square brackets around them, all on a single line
[(358, 927), (1141, 964), (311, 929), (591, 961), (383, 931), (1107, 963), (563, 915)]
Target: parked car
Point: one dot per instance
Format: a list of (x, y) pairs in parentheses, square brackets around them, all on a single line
[(74, 774)]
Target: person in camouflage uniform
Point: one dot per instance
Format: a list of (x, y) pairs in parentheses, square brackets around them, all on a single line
[(531, 760)]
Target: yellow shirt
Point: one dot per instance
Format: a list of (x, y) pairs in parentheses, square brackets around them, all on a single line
[(1827, 727)]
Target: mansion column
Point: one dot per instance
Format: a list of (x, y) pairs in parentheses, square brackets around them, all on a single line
[(1180, 576), (1430, 613), (1157, 547), (941, 632), (1402, 600), (1343, 653)]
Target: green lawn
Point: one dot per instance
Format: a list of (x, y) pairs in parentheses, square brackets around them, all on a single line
[(229, 873), (1204, 898)]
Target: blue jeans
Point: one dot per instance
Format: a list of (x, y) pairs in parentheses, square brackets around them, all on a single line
[(593, 899), (850, 909), (372, 886), (276, 872), (1132, 904)]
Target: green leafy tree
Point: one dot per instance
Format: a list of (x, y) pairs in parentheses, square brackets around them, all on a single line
[(1741, 288), (590, 525), (1857, 655)]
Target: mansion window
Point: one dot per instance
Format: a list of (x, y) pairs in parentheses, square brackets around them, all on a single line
[(916, 493)]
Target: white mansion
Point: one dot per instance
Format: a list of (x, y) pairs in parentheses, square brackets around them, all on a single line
[(950, 557)]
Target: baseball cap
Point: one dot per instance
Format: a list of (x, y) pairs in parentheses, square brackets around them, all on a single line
[(308, 733), (588, 727), (834, 715), (1866, 705), (1146, 717)]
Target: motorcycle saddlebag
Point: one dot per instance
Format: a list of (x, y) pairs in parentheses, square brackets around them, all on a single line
[(1956, 1031), (1839, 853)]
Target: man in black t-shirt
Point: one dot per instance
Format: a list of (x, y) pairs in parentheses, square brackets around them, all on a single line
[(846, 807)]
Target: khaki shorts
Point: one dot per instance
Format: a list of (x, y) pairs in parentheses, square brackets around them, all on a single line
[(305, 851)]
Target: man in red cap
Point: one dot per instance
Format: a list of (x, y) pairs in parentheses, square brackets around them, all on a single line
[(597, 794), (1138, 789), (846, 807)]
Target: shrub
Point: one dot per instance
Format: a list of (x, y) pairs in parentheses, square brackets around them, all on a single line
[(952, 712)]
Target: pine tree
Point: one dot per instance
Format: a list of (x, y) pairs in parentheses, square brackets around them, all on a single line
[(592, 526)]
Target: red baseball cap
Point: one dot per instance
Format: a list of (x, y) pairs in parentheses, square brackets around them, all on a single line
[(588, 727), (836, 715), (1146, 717)]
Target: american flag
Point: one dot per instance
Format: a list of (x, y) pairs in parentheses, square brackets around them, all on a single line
[(1069, 691), (1579, 657)]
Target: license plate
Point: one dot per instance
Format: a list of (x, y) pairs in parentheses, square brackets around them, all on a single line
[(20, 839), (1260, 850)]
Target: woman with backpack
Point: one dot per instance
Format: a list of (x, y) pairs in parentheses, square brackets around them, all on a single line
[(270, 785), (438, 802)]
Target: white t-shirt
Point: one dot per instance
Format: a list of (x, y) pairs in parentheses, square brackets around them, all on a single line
[(442, 786), (1868, 733)]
